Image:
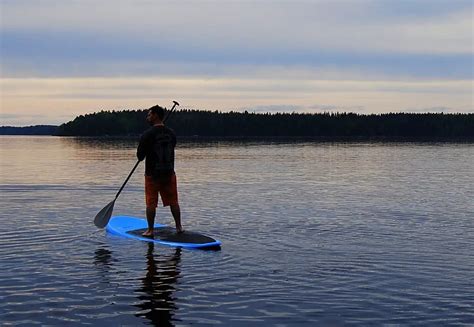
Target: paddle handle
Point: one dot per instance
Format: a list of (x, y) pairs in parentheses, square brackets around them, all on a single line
[(168, 114), (129, 175)]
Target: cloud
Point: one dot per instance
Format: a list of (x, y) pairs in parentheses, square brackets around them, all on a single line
[(63, 38), (273, 108), (60, 100), (63, 58), (37, 54), (262, 26), (25, 119), (9, 116), (325, 107), (439, 109)]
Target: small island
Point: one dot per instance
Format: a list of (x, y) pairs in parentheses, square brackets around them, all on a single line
[(29, 130), (244, 125)]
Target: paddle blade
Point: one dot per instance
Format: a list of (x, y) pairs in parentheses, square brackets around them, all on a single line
[(102, 218)]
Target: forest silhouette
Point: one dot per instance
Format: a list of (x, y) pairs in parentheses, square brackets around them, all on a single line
[(198, 123)]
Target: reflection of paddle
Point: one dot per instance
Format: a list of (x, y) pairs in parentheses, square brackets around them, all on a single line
[(102, 218)]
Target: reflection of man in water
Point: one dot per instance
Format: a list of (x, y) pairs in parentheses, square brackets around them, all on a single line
[(157, 301)]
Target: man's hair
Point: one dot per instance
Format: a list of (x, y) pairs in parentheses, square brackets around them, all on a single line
[(158, 110)]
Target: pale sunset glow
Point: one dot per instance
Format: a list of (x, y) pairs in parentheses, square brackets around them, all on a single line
[(60, 59)]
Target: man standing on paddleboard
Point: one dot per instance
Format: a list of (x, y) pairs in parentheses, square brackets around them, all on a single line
[(157, 145)]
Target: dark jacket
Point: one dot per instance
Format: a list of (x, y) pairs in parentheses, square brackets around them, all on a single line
[(157, 145)]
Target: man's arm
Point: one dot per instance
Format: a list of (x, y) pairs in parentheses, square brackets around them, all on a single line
[(143, 146), (173, 138)]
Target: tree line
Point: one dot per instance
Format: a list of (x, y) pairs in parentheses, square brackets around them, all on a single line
[(189, 123)]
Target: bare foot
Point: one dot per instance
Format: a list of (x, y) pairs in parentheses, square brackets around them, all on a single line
[(148, 233), (179, 230)]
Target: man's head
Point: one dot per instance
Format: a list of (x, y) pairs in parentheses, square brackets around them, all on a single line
[(155, 115)]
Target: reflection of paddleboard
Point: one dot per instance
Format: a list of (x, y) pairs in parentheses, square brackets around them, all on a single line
[(133, 227)]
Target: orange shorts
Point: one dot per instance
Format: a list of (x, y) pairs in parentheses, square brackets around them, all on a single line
[(167, 189)]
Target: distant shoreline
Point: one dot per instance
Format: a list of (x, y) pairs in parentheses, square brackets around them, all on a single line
[(29, 130), (276, 139)]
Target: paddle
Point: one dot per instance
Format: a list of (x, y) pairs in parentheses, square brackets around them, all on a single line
[(102, 218)]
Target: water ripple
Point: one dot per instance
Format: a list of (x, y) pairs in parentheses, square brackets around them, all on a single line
[(313, 234)]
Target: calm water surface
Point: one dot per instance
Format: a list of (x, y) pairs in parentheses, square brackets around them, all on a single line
[(329, 234)]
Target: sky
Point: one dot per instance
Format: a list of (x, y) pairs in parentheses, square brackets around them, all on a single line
[(63, 58)]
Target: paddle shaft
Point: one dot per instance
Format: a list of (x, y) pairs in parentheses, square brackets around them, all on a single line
[(168, 114), (136, 165), (129, 175)]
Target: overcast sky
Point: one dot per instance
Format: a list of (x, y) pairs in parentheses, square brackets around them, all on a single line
[(63, 58)]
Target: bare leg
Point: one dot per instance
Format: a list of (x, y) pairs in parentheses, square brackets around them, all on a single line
[(150, 218), (176, 212)]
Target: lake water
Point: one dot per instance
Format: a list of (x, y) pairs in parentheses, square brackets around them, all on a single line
[(314, 234)]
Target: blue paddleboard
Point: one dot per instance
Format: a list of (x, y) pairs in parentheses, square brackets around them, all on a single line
[(132, 227)]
